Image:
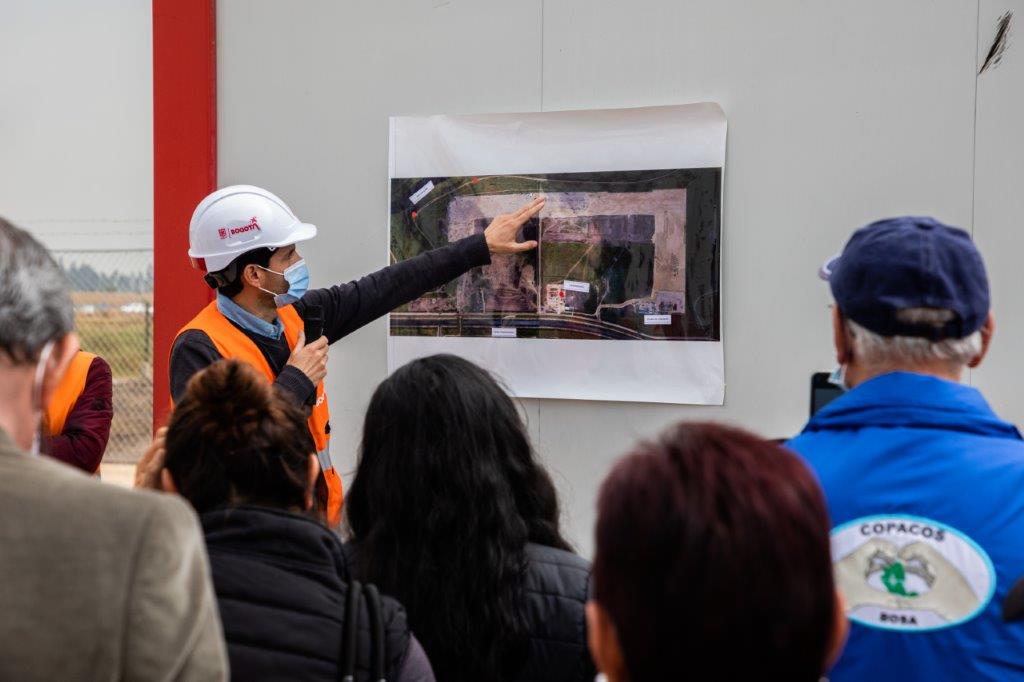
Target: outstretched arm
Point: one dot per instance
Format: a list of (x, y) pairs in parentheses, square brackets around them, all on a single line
[(347, 307)]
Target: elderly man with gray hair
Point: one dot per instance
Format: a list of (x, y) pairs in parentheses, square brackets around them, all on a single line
[(925, 484), (98, 583)]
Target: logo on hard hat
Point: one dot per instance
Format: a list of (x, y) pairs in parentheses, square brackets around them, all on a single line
[(251, 226), (910, 574)]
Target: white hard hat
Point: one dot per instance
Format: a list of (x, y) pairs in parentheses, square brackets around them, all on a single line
[(237, 219)]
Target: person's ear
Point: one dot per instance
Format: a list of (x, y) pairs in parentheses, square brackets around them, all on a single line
[(314, 471), (844, 349), (167, 483), (988, 328), (64, 351), (840, 629), (252, 276), (603, 641)]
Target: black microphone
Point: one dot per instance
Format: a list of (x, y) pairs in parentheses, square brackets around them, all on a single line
[(313, 320)]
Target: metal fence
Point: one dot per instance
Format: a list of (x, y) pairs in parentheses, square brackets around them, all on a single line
[(113, 295)]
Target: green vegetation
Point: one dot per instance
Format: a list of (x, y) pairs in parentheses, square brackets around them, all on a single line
[(123, 340), (618, 273)]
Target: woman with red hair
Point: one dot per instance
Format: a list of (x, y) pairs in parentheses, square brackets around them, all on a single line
[(713, 563)]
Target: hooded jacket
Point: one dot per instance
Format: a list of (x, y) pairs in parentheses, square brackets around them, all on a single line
[(925, 488)]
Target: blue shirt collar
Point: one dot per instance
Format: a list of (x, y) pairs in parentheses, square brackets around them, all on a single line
[(246, 320), (905, 399)]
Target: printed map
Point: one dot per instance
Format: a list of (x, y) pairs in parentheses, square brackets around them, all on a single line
[(612, 260)]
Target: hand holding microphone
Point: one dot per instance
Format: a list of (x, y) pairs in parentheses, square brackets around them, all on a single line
[(310, 353)]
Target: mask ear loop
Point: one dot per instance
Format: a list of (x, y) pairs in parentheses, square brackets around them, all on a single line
[(268, 291), (284, 274), (37, 391), (37, 384)]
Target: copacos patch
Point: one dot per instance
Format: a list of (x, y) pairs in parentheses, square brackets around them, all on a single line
[(909, 573)]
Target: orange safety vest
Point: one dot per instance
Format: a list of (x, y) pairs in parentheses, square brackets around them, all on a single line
[(68, 391), (233, 344)]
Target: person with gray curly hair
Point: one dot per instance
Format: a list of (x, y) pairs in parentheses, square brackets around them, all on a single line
[(100, 583), (922, 479)]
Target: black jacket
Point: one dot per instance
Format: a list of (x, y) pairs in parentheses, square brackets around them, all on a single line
[(346, 308), (282, 598), (557, 589)]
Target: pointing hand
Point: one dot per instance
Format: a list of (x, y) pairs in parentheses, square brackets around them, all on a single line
[(501, 233)]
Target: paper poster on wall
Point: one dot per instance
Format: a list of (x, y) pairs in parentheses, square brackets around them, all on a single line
[(621, 299)]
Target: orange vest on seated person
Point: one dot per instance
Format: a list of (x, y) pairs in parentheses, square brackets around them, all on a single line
[(232, 343), (68, 391)]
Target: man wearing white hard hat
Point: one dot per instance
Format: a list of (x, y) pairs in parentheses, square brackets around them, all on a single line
[(244, 238)]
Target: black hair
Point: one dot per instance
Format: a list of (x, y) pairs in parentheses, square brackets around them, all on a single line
[(233, 439), (233, 272), (446, 496)]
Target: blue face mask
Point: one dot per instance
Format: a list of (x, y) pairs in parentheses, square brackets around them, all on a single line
[(297, 276)]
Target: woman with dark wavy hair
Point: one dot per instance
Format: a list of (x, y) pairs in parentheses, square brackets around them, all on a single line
[(451, 512)]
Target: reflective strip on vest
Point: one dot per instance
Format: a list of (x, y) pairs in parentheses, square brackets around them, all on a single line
[(325, 458)]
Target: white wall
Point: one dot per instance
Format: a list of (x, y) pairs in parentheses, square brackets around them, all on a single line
[(999, 207), (76, 121), (839, 113)]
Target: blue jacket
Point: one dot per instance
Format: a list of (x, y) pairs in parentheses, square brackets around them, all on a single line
[(925, 487)]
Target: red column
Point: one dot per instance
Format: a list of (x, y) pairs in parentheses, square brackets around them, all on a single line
[(184, 166)]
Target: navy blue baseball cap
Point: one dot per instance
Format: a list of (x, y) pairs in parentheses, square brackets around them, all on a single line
[(910, 262)]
